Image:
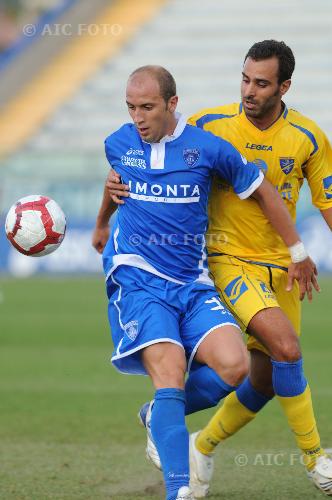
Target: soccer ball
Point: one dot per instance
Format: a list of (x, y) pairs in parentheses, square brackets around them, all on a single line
[(35, 225)]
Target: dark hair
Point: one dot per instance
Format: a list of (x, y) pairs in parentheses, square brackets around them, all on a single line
[(272, 48), (164, 78)]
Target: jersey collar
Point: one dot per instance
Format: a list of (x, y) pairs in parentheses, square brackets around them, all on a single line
[(279, 123), (181, 123)]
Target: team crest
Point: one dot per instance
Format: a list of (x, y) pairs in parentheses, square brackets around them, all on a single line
[(267, 292), (131, 329), (287, 164), (191, 156)]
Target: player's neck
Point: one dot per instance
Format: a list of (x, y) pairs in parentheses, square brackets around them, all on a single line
[(269, 119), (172, 125)]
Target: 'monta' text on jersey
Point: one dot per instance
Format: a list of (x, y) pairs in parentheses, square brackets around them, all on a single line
[(165, 190)]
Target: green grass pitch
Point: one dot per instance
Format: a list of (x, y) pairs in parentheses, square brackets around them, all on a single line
[(68, 427)]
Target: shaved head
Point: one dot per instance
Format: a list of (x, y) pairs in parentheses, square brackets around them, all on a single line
[(166, 82)]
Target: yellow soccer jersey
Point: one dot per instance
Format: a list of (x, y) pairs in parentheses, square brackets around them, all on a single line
[(294, 147)]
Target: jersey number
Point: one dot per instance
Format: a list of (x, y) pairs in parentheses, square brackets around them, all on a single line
[(218, 305)]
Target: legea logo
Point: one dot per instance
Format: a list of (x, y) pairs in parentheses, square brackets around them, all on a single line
[(260, 147)]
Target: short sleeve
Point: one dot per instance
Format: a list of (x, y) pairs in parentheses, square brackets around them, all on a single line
[(245, 177), (108, 150), (318, 172)]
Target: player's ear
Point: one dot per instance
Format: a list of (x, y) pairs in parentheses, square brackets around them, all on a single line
[(284, 87), (172, 103)]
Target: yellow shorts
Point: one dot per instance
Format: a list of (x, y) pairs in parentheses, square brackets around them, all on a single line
[(248, 288)]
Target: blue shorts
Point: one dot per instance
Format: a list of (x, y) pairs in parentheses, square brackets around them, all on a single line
[(145, 309)]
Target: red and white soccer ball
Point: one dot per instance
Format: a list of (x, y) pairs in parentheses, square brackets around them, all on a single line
[(35, 225)]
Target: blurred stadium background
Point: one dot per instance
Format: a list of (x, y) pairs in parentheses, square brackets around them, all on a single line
[(62, 92), (63, 70)]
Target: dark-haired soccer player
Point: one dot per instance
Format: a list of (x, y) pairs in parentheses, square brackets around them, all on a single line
[(249, 264)]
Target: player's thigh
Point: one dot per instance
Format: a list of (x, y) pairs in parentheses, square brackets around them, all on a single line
[(274, 331), (245, 289), (225, 352), (282, 323), (138, 319), (289, 301), (278, 328), (223, 344)]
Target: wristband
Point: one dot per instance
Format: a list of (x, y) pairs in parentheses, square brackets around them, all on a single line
[(298, 252)]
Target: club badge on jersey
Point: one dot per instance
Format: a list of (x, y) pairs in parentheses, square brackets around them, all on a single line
[(191, 156), (287, 165)]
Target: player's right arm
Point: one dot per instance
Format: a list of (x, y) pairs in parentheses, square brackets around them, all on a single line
[(247, 180), (101, 231), (115, 188), (302, 268)]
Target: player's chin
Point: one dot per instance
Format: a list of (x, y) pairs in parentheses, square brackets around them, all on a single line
[(254, 112), (148, 138), (145, 137)]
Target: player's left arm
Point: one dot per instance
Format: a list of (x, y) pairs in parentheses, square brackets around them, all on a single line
[(303, 269), (318, 172), (327, 215)]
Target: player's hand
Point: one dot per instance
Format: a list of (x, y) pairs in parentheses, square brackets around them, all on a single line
[(305, 273), (100, 237), (116, 189)]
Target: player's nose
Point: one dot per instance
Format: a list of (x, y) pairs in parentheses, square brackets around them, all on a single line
[(138, 117), (249, 91)]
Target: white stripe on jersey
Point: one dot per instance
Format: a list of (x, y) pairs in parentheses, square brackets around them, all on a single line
[(204, 276), (116, 302), (164, 199), (115, 239), (157, 158), (135, 260), (253, 186), (139, 348)]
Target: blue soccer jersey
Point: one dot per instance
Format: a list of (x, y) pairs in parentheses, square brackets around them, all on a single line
[(162, 224)]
